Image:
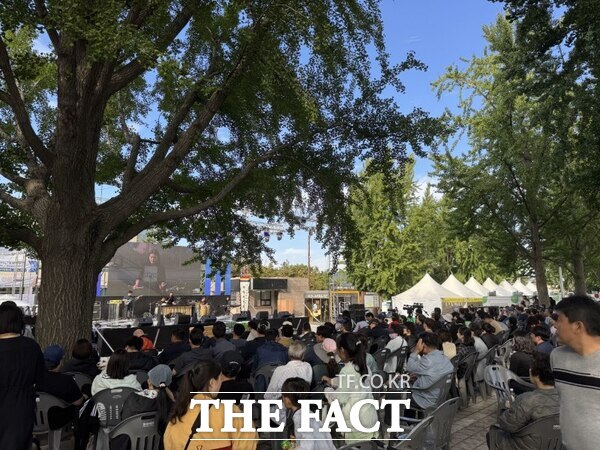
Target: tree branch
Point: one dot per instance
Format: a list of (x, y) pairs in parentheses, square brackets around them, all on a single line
[(17, 203), (42, 12), (18, 107), (14, 178), (135, 68), (136, 143), (24, 234)]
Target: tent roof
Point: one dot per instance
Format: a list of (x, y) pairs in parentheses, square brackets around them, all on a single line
[(531, 286), (522, 288), (476, 286), (454, 285), (501, 292), (426, 291), (506, 285)]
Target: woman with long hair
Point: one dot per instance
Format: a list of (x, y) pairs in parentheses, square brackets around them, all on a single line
[(522, 358), (116, 374), (354, 385), (202, 382), (21, 367), (466, 346)]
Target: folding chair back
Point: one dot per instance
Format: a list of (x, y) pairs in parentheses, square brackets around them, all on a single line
[(415, 440), (41, 425), (543, 433), (110, 404), (380, 356), (142, 430), (441, 426)]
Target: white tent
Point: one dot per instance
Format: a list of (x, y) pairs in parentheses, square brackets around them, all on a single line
[(476, 286), (506, 285), (427, 291), (531, 286), (522, 288), (456, 286), (500, 292)]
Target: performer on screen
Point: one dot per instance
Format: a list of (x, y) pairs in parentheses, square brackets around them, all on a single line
[(152, 276)]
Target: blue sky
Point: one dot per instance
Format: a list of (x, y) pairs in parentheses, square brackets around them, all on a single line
[(440, 32)]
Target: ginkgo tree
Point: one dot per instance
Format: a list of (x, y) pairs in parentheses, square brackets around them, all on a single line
[(199, 114)]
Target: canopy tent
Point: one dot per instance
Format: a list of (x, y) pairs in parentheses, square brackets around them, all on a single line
[(476, 286), (522, 288), (493, 287), (427, 291), (456, 286), (506, 285), (531, 286)]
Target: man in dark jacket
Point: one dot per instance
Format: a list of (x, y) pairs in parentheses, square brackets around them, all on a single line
[(197, 353), (175, 348), (271, 352), (138, 359), (527, 408)]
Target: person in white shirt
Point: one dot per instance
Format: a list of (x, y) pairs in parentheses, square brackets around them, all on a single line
[(295, 368), (396, 343), (116, 374)]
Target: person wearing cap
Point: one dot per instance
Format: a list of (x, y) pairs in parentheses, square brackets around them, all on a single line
[(157, 397), (231, 388)]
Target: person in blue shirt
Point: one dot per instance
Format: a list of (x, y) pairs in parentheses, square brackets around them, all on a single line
[(541, 339)]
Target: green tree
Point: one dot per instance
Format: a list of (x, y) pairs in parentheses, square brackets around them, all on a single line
[(508, 187), (377, 257), (248, 106)]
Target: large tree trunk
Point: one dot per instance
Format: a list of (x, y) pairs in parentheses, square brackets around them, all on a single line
[(68, 289), (579, 269), (539, 266)]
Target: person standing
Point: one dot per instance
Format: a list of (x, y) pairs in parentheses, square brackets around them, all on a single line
[(21, 367), (576, 368)]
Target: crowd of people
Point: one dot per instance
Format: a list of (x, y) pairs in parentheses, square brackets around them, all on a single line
[(257, 360)]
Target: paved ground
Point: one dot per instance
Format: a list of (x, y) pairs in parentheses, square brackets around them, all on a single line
[(471, 425)]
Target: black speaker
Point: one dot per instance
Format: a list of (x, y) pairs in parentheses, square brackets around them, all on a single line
[(143, 322), (208, 320), (262, 315), (241, 317), (357, 314), (181, 319), (284, 315)]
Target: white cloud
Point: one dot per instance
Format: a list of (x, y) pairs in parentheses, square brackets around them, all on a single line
[(422, 184)]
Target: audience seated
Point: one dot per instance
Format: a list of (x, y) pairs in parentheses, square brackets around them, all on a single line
[(196, 353), (395, 343), (448, 347), (287, 333), (220, 345), (428, 365), (540, 337), (271, 352), (315, 353), (488, 336), (465, 346), (253, 331), (307, 336), (203, 377), (522, 357), (116, 374), (138, 359), (259, 340), (526, 408), (238, 340), (175, 348), (147, 342), (84, 359), (295, 368), (157, 397), (232, 388), (498, 326)]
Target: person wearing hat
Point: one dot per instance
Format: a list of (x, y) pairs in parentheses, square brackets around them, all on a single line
[(231, 388), (157, 397)]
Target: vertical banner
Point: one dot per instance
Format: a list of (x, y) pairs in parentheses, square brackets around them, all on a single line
[(228, 280), (99, 285), (207, 271), (218, 283)]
